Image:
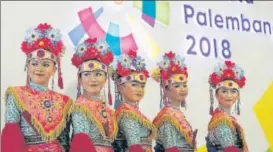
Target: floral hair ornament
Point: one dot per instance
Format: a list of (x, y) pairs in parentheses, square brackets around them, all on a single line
[(44, 42), (93, 55), (170, 70), (228, 75), (130, 67)]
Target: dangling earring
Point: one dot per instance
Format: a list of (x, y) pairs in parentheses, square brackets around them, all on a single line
[(165, 98), (184, 104), (25, 66), (79, 89), (118, 98), (104, 96), (25, 69), (60, 78), (109, 92), (103, 100), (161, 95), (52, 83), (28, 79), (211, 100), (238, 106)]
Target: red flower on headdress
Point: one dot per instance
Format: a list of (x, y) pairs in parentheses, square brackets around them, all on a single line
[(43, 27), (26, 48), (165, 75), (56, 48), (241, 82), (170, 55), (91, 53), (107, 58), (228, 74), (123, 71), (146, 73), (91, 41), (43, 43), (214, 78), (185, 71), (76, 60), (132, 54), (174, 68), (229, 64)]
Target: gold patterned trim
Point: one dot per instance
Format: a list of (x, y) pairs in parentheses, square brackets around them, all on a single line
[(82, 109), (144, 122), (175, 123), (51, 135), (223, 119)]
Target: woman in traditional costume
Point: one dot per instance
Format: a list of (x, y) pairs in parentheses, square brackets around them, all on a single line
[(36, 117), (94, 123), (135, 130), (225, 134), (174, 131)]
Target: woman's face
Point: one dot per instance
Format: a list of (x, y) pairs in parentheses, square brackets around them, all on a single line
[(177, 92), (227, 96), (41, 70), (132, 91), (93, 81)]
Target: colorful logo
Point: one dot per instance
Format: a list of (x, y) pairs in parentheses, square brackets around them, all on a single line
[(118, 44)]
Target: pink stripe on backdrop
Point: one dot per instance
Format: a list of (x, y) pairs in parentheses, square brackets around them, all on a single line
[(148, 19), (128, 43), (90, 24)]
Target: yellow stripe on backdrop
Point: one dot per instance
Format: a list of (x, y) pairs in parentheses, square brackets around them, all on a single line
[(150, 45), (269, 150), (264, 112), (202, 149)]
